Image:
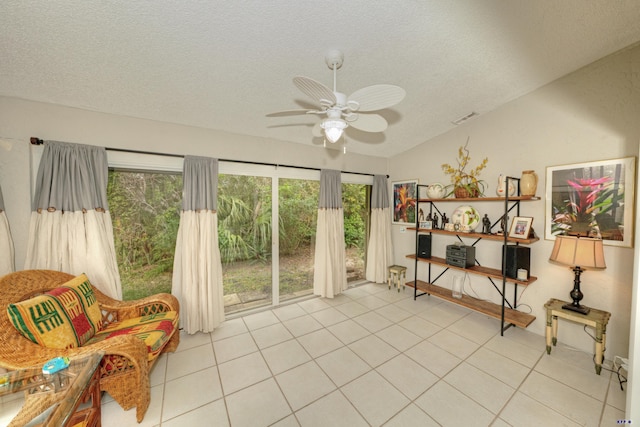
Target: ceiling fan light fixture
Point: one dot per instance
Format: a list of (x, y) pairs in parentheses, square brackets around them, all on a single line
[(333, 129)]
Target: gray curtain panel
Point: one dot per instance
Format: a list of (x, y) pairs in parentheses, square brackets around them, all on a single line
[(71, 225), (380, 193), (1, 201), (200, 184), (72, 177), (330, 189)]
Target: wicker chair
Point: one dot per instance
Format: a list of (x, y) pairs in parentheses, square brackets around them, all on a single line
[(124, 370)]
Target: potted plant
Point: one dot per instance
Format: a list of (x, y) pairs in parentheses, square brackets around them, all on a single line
[(463, 183)]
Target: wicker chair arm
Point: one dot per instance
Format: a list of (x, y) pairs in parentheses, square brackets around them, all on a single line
[(26, 354), (157, 303)]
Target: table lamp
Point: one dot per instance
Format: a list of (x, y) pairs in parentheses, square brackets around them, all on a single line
[(578, 253)]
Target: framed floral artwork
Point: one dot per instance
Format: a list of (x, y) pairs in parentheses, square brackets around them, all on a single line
[(592, 199), (405, 194)]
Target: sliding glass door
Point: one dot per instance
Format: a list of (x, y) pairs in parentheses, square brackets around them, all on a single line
[(356, 204), (298, 210), (267, 219), (245, 238)]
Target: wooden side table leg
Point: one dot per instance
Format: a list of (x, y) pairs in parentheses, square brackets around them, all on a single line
[(389, 278), (604, 341), (554, 327), (599, 347), (548, 331)]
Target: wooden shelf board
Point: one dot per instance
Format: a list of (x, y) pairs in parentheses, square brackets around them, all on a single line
[(515, 317), (496, 237), (494, 273)]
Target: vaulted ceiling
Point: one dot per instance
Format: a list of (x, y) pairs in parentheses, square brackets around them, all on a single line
[(226, 64)]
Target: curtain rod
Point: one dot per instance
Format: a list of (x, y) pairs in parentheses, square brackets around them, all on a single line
[(38, 141)]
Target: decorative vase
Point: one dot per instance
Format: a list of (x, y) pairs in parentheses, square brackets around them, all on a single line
[(435, 191), (502, 187), (528, 183)]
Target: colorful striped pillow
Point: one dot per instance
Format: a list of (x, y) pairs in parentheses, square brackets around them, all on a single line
[(65, 317)]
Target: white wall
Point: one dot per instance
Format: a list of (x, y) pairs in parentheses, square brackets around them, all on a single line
[(20, 120), (592, 114)]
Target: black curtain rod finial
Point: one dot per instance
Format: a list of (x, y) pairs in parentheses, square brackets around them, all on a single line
[(36, 141)]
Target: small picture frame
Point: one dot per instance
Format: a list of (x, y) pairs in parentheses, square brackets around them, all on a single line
[(521, 227), (427, 225)]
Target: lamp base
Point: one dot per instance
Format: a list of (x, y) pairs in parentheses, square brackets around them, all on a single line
[(577, 308)]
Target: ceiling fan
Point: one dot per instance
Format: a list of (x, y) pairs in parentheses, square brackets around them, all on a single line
[(341, 111)]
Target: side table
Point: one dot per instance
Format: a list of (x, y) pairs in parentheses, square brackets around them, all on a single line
[(53, 400), (597, 319), (397, 276)]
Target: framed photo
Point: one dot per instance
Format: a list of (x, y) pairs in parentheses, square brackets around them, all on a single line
[(405, 194), (592, 199), (520, 227), (427, 225)]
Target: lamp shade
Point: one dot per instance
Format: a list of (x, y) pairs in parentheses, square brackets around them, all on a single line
[(333, 128), (585, 252)]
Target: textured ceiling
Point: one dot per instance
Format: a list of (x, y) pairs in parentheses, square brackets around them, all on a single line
[(226, 64)]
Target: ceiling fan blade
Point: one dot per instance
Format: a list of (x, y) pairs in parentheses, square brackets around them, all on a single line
[(316, 130), (376, 97), (369, 123), (316, 90), (289, 113)]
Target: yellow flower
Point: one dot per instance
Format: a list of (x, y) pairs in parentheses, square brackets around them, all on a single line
[(459, 176)]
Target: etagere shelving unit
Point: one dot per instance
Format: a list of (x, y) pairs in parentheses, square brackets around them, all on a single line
[(506, 311)]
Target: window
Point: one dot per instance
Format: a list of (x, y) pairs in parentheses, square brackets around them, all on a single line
[(145, 211), (245, 239), (356, 204), (267, 249), (298, 212)]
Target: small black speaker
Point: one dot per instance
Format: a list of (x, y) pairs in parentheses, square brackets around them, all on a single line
[(424, 246), (516, 257)]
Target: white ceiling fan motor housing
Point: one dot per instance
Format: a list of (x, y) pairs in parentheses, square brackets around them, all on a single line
[(334, 58)]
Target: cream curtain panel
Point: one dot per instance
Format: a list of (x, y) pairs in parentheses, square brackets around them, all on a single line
[(197, 267), (380, 249), (7, 256), (70, 228), (330, 269)]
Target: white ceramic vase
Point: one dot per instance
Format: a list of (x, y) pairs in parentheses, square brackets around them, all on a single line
[(502, 187)]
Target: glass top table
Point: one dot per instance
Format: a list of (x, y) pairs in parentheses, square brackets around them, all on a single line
[(49, 399)]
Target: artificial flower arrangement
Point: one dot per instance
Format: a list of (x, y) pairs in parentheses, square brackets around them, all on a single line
[(463, 183)]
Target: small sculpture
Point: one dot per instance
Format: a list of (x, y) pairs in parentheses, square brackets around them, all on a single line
[(445, 221), (486, 225), (435, 220), (503, 224)]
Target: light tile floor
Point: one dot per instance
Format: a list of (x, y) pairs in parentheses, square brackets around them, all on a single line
[(371, 357)]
